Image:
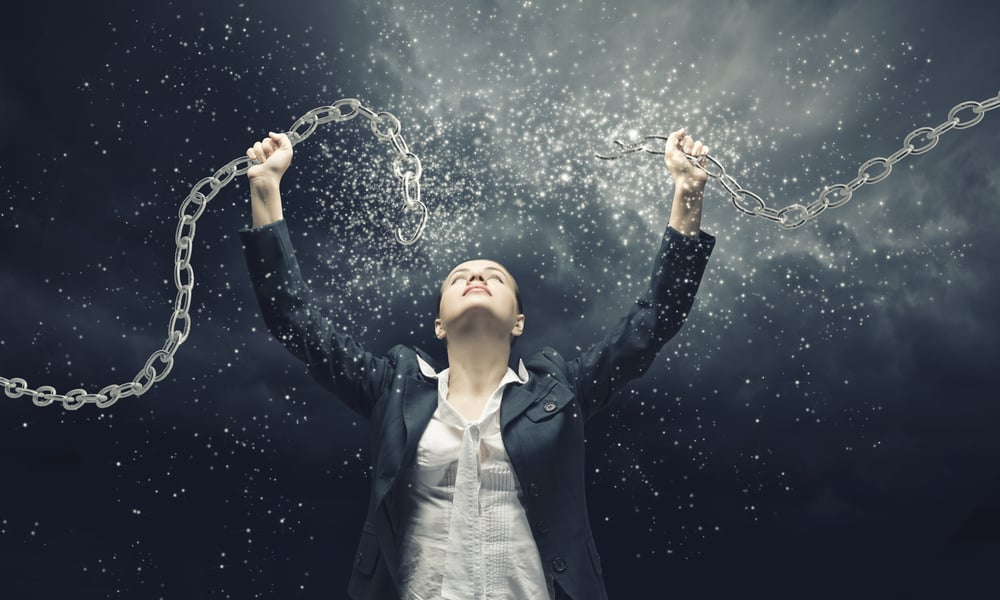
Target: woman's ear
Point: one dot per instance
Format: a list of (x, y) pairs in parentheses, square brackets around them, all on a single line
[(439, 332), (518, 326)]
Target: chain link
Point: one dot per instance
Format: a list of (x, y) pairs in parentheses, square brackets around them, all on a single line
[(405, 166), (386, 127), (918, 141)]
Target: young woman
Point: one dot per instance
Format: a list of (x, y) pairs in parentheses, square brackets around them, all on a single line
[(478, 471)]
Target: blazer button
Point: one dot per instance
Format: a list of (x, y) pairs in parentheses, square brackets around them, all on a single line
[(558, 564), (533, 490), (550, 406), (357, 561)]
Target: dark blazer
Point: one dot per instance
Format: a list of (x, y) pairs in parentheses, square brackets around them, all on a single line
[(541, 422)]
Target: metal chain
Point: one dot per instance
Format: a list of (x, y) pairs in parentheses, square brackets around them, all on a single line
[(406, 166), (832, 196)]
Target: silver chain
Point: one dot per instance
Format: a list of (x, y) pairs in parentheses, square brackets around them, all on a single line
[(832, 196), (406, 166)]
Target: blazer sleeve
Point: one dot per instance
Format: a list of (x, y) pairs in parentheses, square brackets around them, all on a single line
[(628, 350), (335, 360)]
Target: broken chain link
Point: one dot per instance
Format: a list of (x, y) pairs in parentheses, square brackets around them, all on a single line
[(832, 196), (406, 166)]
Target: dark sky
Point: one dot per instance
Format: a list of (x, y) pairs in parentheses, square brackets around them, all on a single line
[(825, 425)]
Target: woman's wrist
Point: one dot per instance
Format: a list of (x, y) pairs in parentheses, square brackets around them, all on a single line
[(685, 214)]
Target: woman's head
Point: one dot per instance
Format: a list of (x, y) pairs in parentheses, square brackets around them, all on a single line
[(481, 290)]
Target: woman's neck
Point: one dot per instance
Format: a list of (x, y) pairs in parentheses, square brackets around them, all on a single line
[(476, 366)]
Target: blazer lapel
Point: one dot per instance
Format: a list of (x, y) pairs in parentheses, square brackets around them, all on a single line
[(420, 400), (427, 358), (517, 398)]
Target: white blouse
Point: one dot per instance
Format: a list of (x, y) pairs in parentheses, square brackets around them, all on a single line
[(465, 535)]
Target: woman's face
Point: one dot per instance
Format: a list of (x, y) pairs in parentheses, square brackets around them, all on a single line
[(479, 289)]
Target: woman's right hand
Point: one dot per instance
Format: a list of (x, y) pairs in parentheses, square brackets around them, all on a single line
[(274, 154), (685, 174)]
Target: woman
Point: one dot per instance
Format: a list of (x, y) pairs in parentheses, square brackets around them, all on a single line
[(478, 488)]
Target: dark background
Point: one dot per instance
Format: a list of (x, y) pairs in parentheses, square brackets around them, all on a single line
[(825, 425)]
